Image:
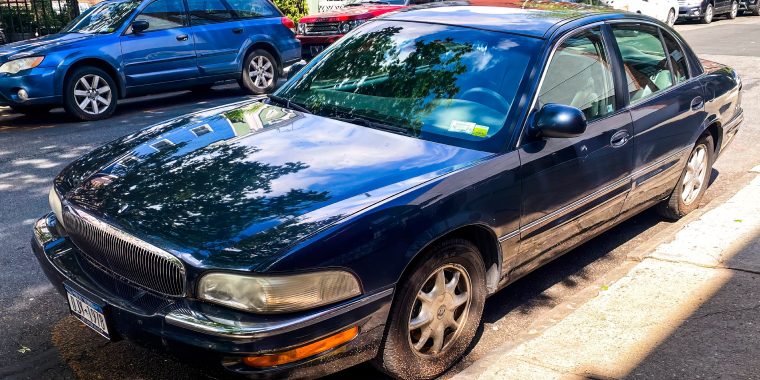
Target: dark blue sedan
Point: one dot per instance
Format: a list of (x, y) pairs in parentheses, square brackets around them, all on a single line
[(123, 48), (367, 209)]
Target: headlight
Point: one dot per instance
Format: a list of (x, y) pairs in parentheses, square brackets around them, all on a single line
[(16, 65), (301, 28), (56, 206), (347, 26), (278, 294)]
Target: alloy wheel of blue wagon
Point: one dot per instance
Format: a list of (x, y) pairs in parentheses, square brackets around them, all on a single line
[(92, 94)]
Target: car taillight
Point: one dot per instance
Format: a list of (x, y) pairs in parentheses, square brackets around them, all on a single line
[(289, 24)]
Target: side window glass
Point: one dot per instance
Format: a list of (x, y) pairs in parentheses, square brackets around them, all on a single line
[(251, 8), (204, 12), (580, 76), (163, 14), (644, 59), (677, 58)]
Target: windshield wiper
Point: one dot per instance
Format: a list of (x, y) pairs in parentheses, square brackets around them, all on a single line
[(367, 123), (288, 104)]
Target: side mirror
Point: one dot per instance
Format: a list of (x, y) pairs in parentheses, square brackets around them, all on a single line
[(560, 121), (295, 68), (140, 26)]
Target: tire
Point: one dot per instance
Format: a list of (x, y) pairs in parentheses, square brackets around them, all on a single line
[(201, 87), (97, 105), (734, 11), (255, 86), (679, 203), (707, 17), (756, 11), (397, 356), (671, 20), (32, 110)]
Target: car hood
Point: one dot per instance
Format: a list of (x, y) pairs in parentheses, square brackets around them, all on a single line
[(38, 46), (232, 188), (352, 13)]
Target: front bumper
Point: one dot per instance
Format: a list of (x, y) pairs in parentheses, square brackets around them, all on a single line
[(690, 12), (39, 83), (213, 336), (748, 5), (313, 44)]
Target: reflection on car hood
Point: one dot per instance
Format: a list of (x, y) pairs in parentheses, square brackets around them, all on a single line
[(38, 46), (234, 187)]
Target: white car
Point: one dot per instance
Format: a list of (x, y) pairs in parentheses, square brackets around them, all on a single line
[(663, 10)]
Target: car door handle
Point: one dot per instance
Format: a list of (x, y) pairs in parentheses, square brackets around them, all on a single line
[(619, 139), (182, 37), (697, 103), (237, 30)]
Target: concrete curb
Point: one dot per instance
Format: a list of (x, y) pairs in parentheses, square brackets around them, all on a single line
[(561, 311)]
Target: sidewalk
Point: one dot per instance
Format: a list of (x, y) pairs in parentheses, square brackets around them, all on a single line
[(689, 309)]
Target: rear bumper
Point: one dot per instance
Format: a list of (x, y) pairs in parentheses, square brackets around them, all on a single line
[(730, 129), (39, 83), (217, 337)]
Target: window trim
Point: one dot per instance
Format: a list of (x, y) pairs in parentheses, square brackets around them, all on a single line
[(613, 58), (129, 32)]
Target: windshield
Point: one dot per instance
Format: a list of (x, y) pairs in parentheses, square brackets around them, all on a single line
[(437, 82), (102, 18)]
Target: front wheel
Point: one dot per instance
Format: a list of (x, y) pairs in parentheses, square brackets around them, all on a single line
[(734, 11), (671, 20), (693, 183), (708, 15), (260, 73), (89, 94), (435, 312)]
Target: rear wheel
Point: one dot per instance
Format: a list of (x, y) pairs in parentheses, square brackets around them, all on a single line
[(693, 183), (756, 11), (734, 10), (708, 15), (89, 94), (671, 20), (260, 73), (435, 312), (32, 110)]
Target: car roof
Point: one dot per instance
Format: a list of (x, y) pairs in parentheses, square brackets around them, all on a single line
[(530, 22)]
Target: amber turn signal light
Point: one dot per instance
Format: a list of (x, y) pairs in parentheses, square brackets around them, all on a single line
[(302, 352)]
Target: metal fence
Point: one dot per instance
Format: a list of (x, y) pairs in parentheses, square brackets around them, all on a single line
[(22, 20)]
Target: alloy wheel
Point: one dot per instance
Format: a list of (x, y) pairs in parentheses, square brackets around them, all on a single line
[(734, 9), (695, 176), (671, 18), (440, 311), (261, 72), (92, 94), (709, 14)]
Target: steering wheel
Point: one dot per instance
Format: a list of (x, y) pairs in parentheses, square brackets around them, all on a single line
[(487, 97)]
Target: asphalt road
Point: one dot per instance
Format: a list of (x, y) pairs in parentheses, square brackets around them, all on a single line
[(38, 340)]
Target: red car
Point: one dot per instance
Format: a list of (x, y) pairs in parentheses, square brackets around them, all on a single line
[(320, 30)]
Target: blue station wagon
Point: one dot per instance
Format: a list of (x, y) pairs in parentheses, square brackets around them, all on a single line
[(365, 210), (129, 47)]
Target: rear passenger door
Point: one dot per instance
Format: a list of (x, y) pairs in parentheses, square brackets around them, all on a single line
[(219, 36), (575, 187), (667, 107)]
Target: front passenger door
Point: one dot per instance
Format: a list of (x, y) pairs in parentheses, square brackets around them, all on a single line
[(575, 187), (165, 51)]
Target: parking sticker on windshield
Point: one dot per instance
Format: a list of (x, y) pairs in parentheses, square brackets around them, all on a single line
[(461, 127), (480, 131)]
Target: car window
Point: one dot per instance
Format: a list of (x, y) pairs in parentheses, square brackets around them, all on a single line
[(580, 76), (644, 59), (677, 58), (204, 12), (251, 8), (163, 14)]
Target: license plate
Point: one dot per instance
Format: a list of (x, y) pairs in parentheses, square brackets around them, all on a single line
[(90, 313)]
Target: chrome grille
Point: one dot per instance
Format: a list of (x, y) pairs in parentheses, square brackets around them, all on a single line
[(125, 256), (322, 28)]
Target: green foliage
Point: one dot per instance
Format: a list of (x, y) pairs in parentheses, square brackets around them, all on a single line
[(293, 9)]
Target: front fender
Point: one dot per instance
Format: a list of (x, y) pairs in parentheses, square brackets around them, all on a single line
[(110, 55)]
